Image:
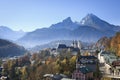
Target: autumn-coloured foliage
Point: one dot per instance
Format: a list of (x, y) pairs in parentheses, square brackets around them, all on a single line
[(35, 66), (115, 44), (111, 44)]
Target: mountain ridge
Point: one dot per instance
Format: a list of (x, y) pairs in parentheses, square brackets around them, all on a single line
[(93, 29), (9, 34), (67, 23)]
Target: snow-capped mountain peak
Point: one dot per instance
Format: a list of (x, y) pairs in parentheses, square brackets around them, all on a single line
[(94, 21), (88, 19)]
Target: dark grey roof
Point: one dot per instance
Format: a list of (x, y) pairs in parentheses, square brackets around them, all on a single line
[(53, 49), (116, 63), (87, 57), (87, 60), (76, 49), (85, 70), (59, 76), (105, 52), (61, 46)]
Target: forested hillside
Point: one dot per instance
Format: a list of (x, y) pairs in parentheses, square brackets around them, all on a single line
[(8, 49), (111, 44)]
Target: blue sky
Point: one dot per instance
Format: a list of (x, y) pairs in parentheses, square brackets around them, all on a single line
[(31, 14)]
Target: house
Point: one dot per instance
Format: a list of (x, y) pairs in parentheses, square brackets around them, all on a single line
[(116, 67), (48, 77), (85, 66), (74, 49), (88, 61), (54, 77), (4, 78), (82, 73), (53, 51), (67, 79), (61, 46), (106, 57)]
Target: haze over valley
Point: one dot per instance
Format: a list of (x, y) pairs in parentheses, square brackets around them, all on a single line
[(59, 40), (90, 29)]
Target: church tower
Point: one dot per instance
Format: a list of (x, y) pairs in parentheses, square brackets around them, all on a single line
[(79, 44), (76, 44)]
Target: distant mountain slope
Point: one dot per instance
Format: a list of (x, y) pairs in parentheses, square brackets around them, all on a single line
[(42, 36), (87, 34), (7, 33), (10, 49), (52, 44), (65, 24), (90, 29)]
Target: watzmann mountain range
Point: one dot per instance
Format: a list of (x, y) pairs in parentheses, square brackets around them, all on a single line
[(89, 29)]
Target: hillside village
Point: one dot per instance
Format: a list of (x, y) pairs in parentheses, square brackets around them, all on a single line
[(75, 62), (59, 40)]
